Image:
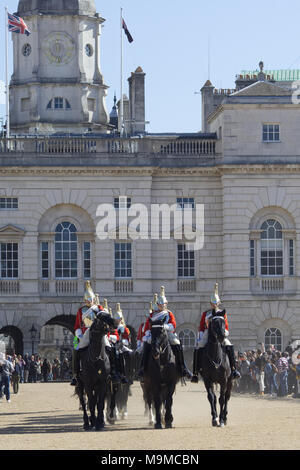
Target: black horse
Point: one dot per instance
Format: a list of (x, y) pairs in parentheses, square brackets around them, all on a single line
[(95, 373), (216, 369), (118, 394), (161, 375)]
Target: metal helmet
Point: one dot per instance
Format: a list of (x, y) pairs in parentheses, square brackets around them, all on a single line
[(89, 295), (105, 306), (154, 303), (215, 299), (162, 297), (119, 314), (97, 300)]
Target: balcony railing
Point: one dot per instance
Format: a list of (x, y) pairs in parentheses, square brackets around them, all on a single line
[(9, 287), (161, 145), (186, 285)]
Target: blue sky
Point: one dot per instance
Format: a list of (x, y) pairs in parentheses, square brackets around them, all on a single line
[(171, 40)]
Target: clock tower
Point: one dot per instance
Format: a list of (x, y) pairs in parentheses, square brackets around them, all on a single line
[(57, 85)]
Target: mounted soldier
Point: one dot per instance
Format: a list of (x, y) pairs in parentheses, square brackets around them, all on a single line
[(84, 319), (215, 303), (160, 311)]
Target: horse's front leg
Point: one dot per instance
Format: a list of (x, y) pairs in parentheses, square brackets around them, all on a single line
[(212, 400), (100, 408), (80, 393), (169, 403), (92, 404), (223, 403), (226, 400), (157, 405), (114, 389)]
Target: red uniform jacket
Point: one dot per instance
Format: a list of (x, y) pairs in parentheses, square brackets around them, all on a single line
[(126, 334), (115, 333), (141, 332), (171, 320), (79, 323), (203, 326)]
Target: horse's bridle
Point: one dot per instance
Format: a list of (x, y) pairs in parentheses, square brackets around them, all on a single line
[(96, 332), (216, 364), (161, 351)]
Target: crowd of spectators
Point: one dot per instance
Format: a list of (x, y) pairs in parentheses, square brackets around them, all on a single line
[(269, 372), (17, 369)]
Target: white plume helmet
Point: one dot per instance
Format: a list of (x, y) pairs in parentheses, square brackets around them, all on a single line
[(105, 306), (215, 299), (89, 295), (119, 314), (162, 299)]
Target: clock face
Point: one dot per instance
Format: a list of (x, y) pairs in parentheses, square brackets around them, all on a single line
[(59, 48), (89, 50), (26, 50)]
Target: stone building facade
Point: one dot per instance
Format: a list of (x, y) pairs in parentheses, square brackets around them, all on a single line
[(244, 169)]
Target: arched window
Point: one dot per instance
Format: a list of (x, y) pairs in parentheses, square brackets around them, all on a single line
[(271, 254), (66, 251), (59, 103), (273, 337), (187, 338)]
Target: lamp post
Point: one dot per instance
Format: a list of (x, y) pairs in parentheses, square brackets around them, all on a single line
[(33, 332)]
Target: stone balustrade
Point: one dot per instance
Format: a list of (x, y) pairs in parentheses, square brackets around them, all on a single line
[(165, 145)]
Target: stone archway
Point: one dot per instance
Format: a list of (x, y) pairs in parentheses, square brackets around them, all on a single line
[(66, 321), (17, 336)]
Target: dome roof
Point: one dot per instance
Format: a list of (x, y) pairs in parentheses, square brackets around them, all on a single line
[(57, 7)]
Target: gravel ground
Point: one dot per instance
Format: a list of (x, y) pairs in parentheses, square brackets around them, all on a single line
[(46, 416)]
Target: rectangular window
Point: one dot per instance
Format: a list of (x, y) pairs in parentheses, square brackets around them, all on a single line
[(45, 260), (271, 258), (291, 257), (185, 261), (270, 133), (9, 262), (8, 203), (252, 258), (123, 260), (87, 260), (58, 103), (185, 203), (122, 202)]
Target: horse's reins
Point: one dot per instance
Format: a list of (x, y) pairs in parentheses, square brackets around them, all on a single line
[(217, 365)]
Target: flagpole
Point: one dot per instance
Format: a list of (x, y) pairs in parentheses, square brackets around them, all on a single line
[(121, 102), (7, 84)]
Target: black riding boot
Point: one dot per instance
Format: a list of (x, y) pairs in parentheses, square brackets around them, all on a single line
[(75, 367), (122, 369), (113, 364), (195, 379), (230, 353), (144, 359), (181, 365), (199, 360)]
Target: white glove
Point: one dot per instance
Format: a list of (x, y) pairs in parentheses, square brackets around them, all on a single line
[(113, 338), (169, 327), (79, 333)]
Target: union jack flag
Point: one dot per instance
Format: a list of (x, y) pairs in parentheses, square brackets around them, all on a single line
[(17, 25)]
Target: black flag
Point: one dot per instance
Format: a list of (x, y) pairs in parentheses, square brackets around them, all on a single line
[(129, 37)]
